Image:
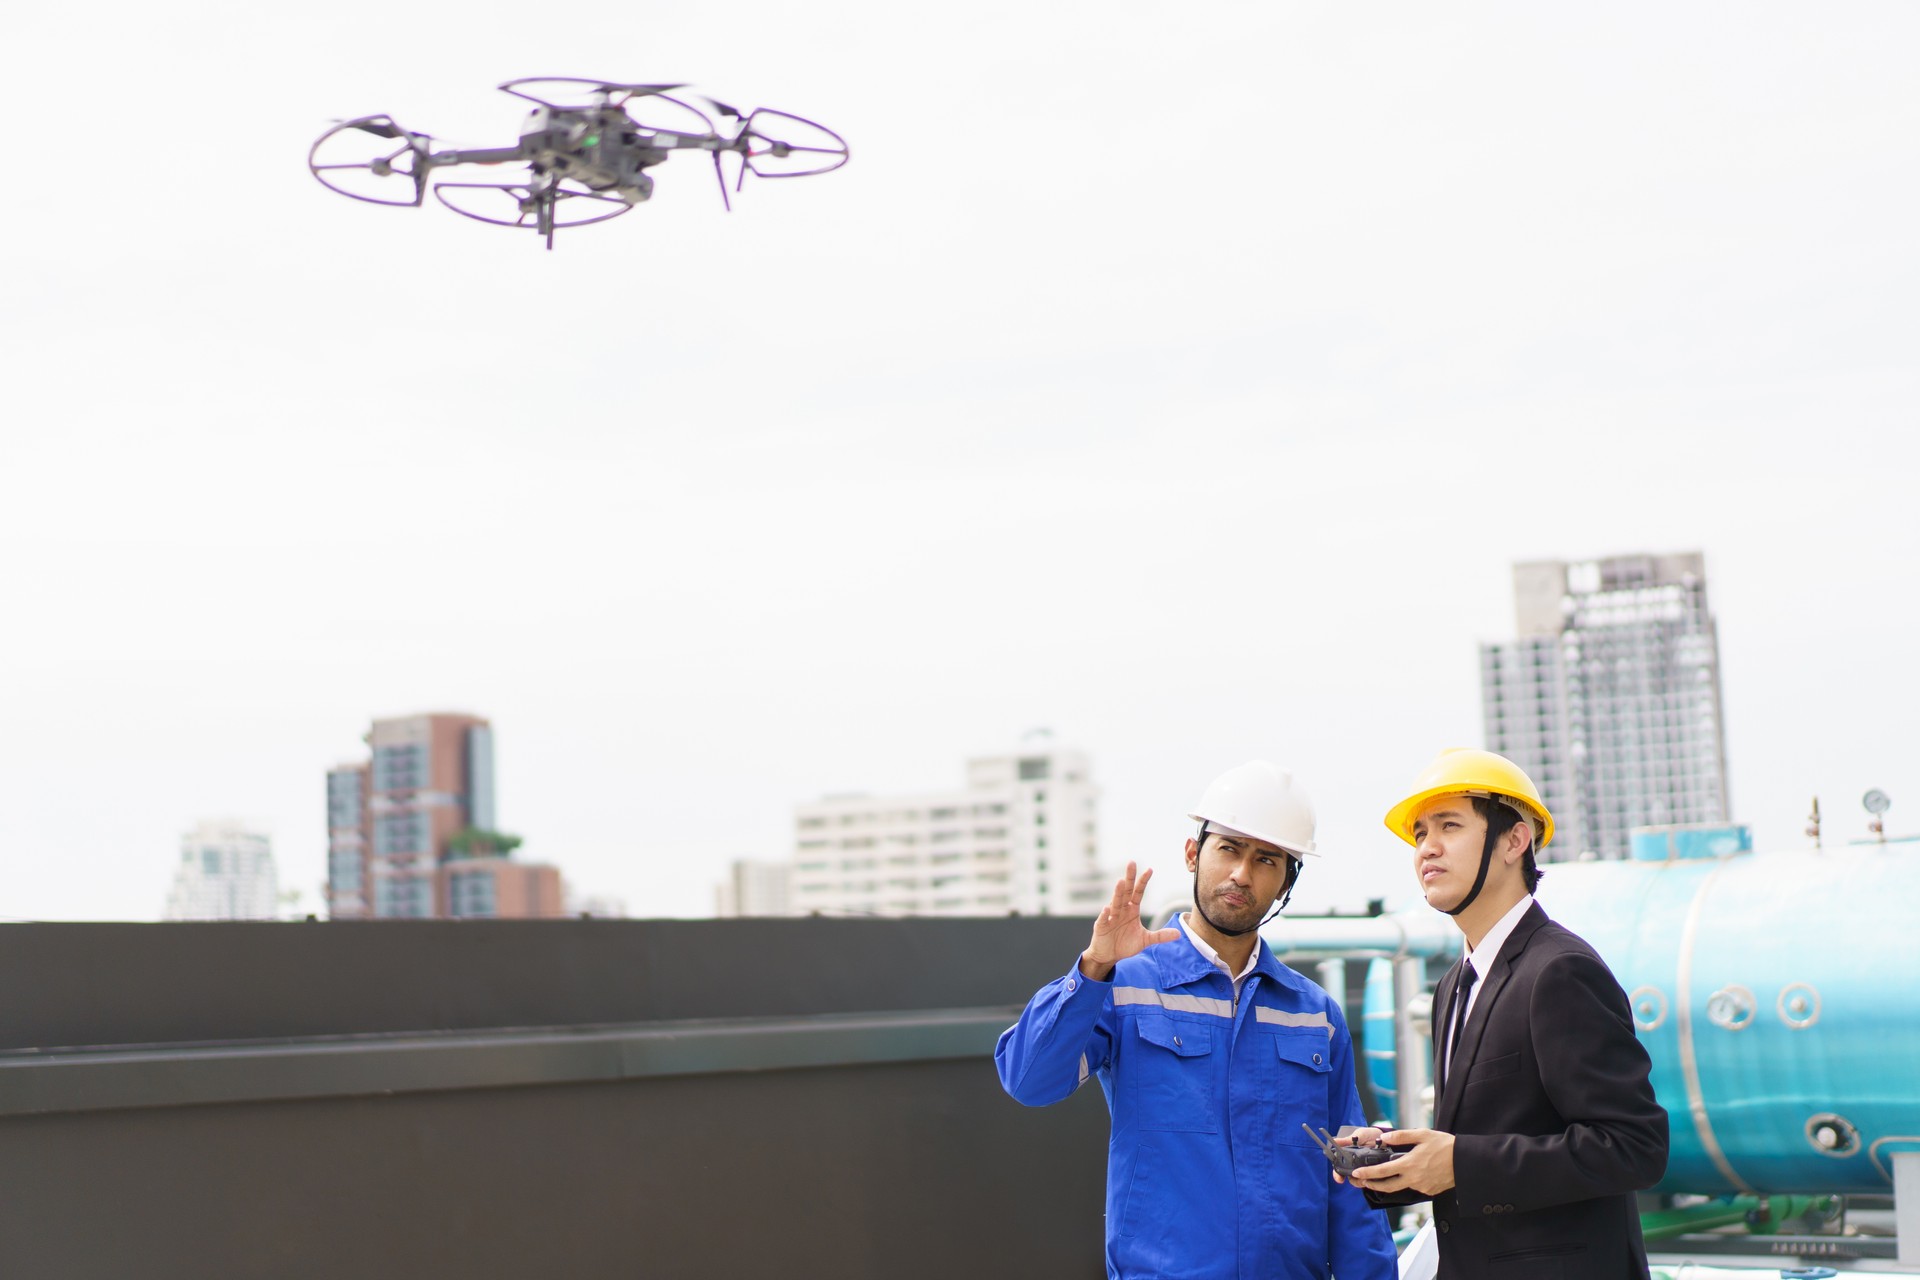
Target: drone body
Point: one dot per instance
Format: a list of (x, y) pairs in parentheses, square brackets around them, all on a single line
[(586, 161)]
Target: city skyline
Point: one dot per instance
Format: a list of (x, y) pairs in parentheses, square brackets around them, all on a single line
[(745, 879), (1198, 415)]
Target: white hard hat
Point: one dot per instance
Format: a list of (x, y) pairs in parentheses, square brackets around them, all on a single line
[(1260, 799)]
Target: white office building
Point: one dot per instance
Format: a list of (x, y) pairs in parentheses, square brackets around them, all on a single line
[(225, 872), (1609, 697), (754, 888), (1019, 837)]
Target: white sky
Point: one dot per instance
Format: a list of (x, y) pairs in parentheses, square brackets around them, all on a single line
[(1185, 379)]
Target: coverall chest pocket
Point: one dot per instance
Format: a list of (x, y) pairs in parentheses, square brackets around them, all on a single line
[(1300, 1081), (1173, 1074)]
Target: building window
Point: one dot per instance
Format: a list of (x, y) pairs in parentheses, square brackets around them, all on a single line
[(401, 768), (404, 832), (402, 899), (472, 895), (343, 800)]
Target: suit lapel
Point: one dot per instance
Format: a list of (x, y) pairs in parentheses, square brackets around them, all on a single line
[(1448, 1104), (1436, 1033)]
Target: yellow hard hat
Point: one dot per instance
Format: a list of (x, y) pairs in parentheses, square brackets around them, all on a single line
[(1465, 771)]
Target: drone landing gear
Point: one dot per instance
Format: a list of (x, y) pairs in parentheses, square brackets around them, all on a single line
[(542, 207)]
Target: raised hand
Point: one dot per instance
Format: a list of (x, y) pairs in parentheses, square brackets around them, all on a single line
[(1119, 933)]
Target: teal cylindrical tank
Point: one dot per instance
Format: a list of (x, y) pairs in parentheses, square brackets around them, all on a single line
[(1778, 995), (1376, 1040)]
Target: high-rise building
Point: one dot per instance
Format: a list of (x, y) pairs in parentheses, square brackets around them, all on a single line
[(407, 831), (1610, 697), (349, 869), (754, 889), (226, 872), (1019, 837)]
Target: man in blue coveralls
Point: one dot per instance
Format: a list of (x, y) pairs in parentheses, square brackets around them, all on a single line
[(1212, 1054)]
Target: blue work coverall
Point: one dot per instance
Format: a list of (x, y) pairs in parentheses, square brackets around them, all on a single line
[(1209, 1176)]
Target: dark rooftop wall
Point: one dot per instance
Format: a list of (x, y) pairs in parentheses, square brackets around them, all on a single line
[(915, 1167), (103, 984)]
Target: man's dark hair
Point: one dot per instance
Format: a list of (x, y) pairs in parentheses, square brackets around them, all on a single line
[(1501, 818)]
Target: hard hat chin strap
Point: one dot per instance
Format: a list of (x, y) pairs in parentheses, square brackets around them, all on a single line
[(1486, 861), (1294, 866), (1479, 881)]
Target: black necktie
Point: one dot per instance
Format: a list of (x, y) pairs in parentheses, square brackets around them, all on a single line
[(1461, 994)]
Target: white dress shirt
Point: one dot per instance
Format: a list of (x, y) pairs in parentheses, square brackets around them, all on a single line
[(1200, 945), (1483, 956)]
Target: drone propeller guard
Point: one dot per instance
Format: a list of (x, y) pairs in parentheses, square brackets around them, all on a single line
[(408, 161), (819, 149), (545, 209)]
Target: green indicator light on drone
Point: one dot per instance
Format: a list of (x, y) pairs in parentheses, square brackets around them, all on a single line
[(593, 139)]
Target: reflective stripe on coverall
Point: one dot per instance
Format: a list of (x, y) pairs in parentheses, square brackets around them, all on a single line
[(1209, 1176)]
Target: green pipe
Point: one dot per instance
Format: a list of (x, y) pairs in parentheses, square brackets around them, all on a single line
[(1786, 1208), (1732, 1211), (1756, 1213)]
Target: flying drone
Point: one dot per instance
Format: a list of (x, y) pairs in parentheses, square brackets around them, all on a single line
[(586, 145)]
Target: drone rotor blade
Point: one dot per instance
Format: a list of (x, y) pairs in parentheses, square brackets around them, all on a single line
[(642, 90), (731, 113), (662, 113), (577, 87)]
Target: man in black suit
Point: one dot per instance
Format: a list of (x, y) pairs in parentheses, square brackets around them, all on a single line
[(1545, 1121)]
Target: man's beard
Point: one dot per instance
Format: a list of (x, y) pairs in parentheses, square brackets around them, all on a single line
[(1242, 920)]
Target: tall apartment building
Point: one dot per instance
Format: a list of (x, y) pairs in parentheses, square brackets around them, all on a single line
[(1018, 837), (1610, 697), (226, 872), (755, 888), (392, 823)]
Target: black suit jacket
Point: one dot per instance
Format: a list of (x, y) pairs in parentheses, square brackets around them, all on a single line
[(1553, 1115)]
